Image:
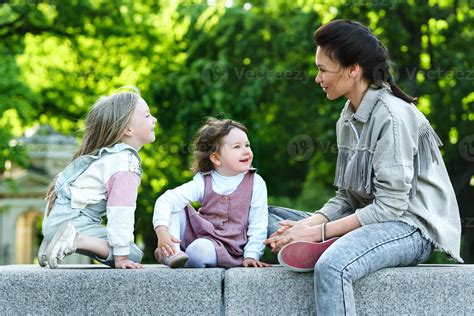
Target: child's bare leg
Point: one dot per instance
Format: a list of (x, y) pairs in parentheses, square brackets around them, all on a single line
[(95, 245), (66, 241), (101, 249)]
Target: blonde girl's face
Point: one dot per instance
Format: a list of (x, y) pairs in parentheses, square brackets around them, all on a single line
[(235, 155), (141, 129)]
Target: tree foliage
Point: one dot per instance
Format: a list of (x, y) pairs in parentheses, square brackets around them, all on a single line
[(253, 62)]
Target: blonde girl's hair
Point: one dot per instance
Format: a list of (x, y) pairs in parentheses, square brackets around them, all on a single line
[(104, 127), (208, 141)]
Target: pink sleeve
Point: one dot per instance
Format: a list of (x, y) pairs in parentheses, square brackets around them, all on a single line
[(122, 189)]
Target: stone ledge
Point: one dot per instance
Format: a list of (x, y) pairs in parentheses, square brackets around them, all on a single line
[(420, 290), (158, 290), (94, 289)]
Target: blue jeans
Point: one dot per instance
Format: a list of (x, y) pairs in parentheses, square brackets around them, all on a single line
[(86, 226), (278, 213), (359, 253)]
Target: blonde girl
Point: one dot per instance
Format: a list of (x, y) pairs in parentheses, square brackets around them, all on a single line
[(102, 179)]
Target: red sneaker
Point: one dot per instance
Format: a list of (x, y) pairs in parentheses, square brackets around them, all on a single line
[(301, 256)]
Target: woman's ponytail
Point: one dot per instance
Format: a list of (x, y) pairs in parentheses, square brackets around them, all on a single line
[(399, 92)]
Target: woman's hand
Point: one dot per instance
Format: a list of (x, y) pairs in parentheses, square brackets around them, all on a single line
[(285, 224), (280, 238), (250, 262), (122, 262), (294, 233)]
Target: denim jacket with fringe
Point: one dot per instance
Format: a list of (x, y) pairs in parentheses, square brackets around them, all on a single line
[(389, 168)]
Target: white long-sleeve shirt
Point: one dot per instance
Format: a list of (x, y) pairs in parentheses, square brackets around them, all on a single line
[(176, 200)]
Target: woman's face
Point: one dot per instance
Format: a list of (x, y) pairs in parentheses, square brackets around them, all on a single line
[(332, 77)]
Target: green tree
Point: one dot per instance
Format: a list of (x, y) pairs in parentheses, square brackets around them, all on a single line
[(253, 62)]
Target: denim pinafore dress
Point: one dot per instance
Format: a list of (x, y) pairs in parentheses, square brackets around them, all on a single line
[(86, 220)]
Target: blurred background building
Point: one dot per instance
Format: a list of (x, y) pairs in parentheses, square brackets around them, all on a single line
[(22, 196)]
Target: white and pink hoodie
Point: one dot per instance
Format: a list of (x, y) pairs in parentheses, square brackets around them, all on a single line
[(114, 178)]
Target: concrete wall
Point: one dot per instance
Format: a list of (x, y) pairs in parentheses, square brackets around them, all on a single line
[(158, 290)]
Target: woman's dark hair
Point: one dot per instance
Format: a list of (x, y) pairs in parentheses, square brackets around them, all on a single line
[(208, 141), (351, 43)]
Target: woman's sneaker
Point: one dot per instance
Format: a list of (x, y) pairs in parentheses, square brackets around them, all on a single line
[(301, 256), (42, 254), (61, 245), (178, 260)]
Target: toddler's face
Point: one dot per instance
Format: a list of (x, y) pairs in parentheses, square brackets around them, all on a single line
[(235, 155)]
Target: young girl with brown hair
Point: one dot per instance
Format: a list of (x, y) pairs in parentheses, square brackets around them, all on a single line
[(229, 228)]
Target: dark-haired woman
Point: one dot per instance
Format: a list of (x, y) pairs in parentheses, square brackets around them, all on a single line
[(395, 202)]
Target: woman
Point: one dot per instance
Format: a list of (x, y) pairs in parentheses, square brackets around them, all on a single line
[(395, 202)]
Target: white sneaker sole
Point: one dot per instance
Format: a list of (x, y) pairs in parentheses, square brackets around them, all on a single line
[(174, 262), (301, 256), (178, 262), (54, 247), (42, 254)]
